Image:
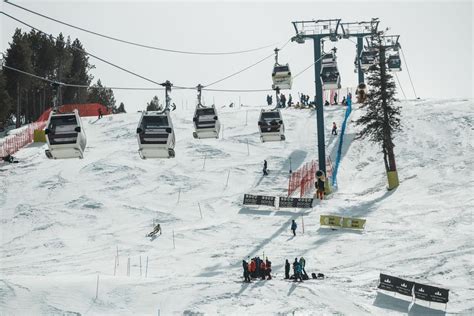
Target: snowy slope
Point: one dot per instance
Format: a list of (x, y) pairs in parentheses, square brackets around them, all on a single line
[(62, 220)]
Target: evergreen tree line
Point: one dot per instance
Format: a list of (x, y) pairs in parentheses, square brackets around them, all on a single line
[(60, 60)]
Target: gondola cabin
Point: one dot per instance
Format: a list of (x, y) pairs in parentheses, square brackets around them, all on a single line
[(281, 77), (271, 126), (155, 134), (330, 77), (394, 63), (206, 122), (367, 59), (65, 136)]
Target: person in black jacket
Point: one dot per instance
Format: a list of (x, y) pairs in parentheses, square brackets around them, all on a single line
[(287, 269), (265, 171), (245, 266)]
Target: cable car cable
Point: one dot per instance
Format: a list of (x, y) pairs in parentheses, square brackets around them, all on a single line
[(408, 70), (83, 51), (299, 73), (138, 44)]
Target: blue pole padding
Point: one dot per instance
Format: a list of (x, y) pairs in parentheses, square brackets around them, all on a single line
[(339, 147)]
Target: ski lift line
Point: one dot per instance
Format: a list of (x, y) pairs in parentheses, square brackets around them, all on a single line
[(83, 51), (400, 85), (76, 85), (246, 68), (408, 70), (299, 73), (138, 44)]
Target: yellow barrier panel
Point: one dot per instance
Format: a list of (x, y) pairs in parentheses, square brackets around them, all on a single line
[(392, 179), (330, 220), (357, 223), (39, 136)]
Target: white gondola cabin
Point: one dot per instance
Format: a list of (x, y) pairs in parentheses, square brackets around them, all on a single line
[(394, 63), (271, 126), (281, 77), (155, 135), (367, 59), (206, 122), (65, 136), (330, 77)]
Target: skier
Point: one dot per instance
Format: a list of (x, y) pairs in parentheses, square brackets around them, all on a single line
[(155, 231), (100, 114), (268, 265), (252, 267), (265, 171), (334, 129), (263, 269), (282, 100), (297, 270), (335, 98), (290, 100), (293, 227), (343, 102), (269, 99), (303, 264), (287, 269), (245, 266)]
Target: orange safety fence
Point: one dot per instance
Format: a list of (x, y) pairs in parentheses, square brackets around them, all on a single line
[(304, 178), (15, 142)]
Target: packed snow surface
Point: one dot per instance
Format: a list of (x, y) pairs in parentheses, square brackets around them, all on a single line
[(63, 221)]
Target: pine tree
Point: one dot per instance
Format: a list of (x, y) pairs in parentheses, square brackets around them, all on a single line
[(99, 94), (121, 108), (154, 104), (382, 118), (5, 101)]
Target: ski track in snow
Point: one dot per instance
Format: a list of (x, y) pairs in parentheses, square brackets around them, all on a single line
[(62, 220)]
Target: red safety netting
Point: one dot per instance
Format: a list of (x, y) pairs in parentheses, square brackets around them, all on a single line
[(13, 143), (303, 178)]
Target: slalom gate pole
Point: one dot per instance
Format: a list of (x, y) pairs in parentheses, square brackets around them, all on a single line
[(227, 181), (199, 205), (97, 288), (146, 268)]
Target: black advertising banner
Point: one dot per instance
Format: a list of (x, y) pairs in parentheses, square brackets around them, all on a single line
[(296, 202), (259, 200), (431, 293), (394, 284)]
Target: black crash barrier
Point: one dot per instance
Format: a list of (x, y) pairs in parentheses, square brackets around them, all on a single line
[(259, 200), (431, 293), (296, 202), (421, 291), (394, 284)]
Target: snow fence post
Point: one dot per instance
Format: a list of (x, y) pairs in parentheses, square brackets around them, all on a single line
[(140, 265), (199, 205), (302, 222), (174, 247), (146, 267), (227, 181), (204, 163), (97, 288)]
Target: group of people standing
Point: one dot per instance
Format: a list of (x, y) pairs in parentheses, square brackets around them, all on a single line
[(299, 272), (304, 101), (257, 268)]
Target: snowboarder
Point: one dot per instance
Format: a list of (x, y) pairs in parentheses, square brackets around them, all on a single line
[(293, 227), (245, 266), (155, 231), (334, 129), (287, 269), (265, 171)]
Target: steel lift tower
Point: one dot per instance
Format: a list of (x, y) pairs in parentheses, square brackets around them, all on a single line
[(360, 30), (318, 30)]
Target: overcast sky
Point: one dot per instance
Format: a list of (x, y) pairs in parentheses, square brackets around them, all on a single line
[(436, 38)]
